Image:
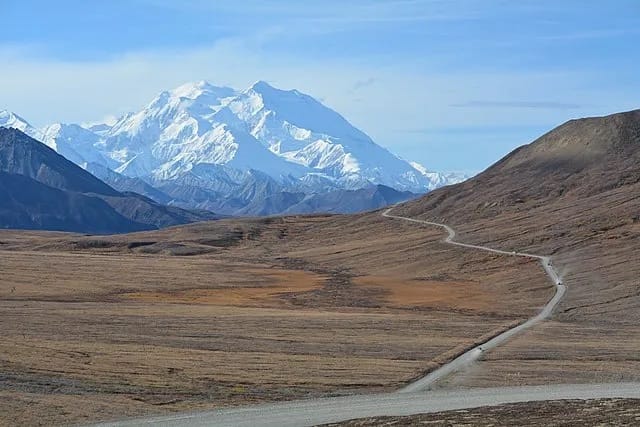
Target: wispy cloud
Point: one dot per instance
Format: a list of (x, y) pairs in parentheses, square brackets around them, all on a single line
[(360, 84), (472, 130), (335, 12), (589, 35), (543, 105)]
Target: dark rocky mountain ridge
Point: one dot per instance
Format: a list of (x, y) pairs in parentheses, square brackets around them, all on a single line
[(43, 190)]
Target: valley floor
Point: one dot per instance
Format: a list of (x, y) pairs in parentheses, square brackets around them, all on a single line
[(239, 311)]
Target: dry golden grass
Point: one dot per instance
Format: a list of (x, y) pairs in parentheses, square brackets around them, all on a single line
[(261, 310)]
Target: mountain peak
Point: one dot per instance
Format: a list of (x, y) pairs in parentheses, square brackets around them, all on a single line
[(21, 154), (579, 143), (193, 90), (261, 86), (10, 119)]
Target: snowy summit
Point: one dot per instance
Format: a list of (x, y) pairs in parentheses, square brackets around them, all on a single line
[(217, 138)]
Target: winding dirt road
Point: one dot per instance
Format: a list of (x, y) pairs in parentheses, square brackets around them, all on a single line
[(476, 352)]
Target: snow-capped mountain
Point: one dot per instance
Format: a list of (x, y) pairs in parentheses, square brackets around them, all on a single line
[(12, 120), (71, 141), (75, 143), (219, 139)]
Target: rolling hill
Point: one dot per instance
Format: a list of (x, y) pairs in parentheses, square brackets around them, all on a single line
[(573, 193)]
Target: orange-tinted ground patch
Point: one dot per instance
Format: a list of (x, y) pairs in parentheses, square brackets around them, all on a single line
[(439, 295), (279, 283)]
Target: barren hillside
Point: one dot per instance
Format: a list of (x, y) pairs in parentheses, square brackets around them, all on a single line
[(573, 193)]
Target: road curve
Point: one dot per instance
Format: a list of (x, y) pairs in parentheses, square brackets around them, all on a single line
[(329, 410), (474, 353)]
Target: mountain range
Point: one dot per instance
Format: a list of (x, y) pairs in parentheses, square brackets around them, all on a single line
[(40, 189), (259, 151)]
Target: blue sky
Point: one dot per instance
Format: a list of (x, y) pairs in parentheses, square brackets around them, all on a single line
[(453, 84)]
